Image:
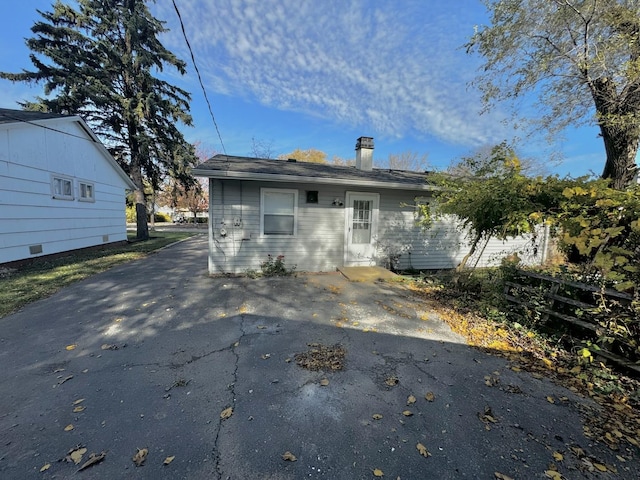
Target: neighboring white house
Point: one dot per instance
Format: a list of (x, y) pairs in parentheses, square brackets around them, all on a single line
[(60, 189), (321, 217)]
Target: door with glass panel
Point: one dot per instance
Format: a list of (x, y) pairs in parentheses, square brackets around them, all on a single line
[(361, 224)]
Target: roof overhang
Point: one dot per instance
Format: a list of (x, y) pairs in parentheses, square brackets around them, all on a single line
[(270, 177)]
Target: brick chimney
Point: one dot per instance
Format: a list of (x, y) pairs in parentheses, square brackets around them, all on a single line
[(364, 154)]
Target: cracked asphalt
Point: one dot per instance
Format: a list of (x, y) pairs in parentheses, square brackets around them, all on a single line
[(155, 350)]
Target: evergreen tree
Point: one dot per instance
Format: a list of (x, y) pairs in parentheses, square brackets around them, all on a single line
[(100, 60)]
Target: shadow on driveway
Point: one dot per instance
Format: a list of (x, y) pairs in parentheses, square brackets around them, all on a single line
[(156, 350)]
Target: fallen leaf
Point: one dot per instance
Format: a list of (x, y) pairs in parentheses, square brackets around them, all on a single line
[(550, 399), (226, 413), (140, 456), (376, 416), (378, 473), (429, 397), (391, 381), (79, 409), (168, 460), (45, 467), (324, 382), (71, 347), (68, 428), (407, 413), (265, 356), (577, 451), (487, 416), (289, 457), (75, 455), (80, 400), (93, 460), (423, 450), (237, 344), (502, 476), (599, 466), (553, 474), (516, 369), (558, 456), (261, 327), (411, 399), (65, 379)]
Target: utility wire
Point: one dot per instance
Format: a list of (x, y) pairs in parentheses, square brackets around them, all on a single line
[(195, 65)]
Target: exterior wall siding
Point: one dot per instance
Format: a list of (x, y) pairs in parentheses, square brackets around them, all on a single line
[(442, 246), (30, 216), (319, 243)]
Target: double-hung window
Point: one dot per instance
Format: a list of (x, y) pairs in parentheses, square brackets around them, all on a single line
[(62, 187), (278, 211)]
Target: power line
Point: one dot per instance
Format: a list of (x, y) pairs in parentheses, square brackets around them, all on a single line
[(195, 65)]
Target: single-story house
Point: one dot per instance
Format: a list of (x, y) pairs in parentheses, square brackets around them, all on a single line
[(60, 189), (321, 217)]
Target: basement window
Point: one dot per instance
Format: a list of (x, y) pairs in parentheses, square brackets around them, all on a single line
[(86, 192), (278, 211), (62, 187)]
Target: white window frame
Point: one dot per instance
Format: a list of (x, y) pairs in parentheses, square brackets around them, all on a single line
[(60, 195), (85, 198), (263, 191)]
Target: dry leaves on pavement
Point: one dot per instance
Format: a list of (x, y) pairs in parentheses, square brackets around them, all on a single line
[(94, 459), (289, 457), (140, 456), (322, 357)]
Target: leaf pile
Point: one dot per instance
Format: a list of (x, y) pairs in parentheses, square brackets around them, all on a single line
[(614, 421), (322, 357)]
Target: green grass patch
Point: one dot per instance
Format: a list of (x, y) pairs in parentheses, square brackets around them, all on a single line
[(44, 277)]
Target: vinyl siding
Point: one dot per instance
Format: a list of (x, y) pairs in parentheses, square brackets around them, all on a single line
[(29, 215), (320, 237), (316, 246), (444, 245)]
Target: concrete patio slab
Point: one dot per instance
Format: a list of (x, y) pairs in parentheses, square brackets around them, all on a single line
[(366, 274)]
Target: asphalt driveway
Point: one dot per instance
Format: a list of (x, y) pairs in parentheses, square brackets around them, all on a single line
[(152, 354)]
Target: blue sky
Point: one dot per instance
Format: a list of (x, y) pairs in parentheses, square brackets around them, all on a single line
[(320, 74)]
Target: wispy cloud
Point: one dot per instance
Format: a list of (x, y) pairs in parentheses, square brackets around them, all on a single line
[(393, 67)]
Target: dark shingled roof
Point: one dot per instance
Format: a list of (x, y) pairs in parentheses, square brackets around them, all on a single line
[(246, 168), (14, 116)]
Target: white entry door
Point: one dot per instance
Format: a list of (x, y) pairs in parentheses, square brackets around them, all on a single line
[(361, 226)]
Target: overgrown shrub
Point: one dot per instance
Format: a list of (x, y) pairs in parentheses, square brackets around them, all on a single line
[(161, 217), (272, 267), (130, 212)]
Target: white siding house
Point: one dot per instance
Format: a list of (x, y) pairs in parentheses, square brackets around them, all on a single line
[(60, 189), (321, 217)]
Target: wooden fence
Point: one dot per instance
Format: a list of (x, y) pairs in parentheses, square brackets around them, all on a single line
[(561, 300)]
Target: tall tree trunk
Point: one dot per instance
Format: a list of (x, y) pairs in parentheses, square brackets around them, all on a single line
[(142, 229), (621, 146), (620, 132)]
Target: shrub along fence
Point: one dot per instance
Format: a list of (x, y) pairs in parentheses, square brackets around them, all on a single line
[(606, 320)]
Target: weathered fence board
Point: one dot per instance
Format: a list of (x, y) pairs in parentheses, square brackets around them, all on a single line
[(560, 306)]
